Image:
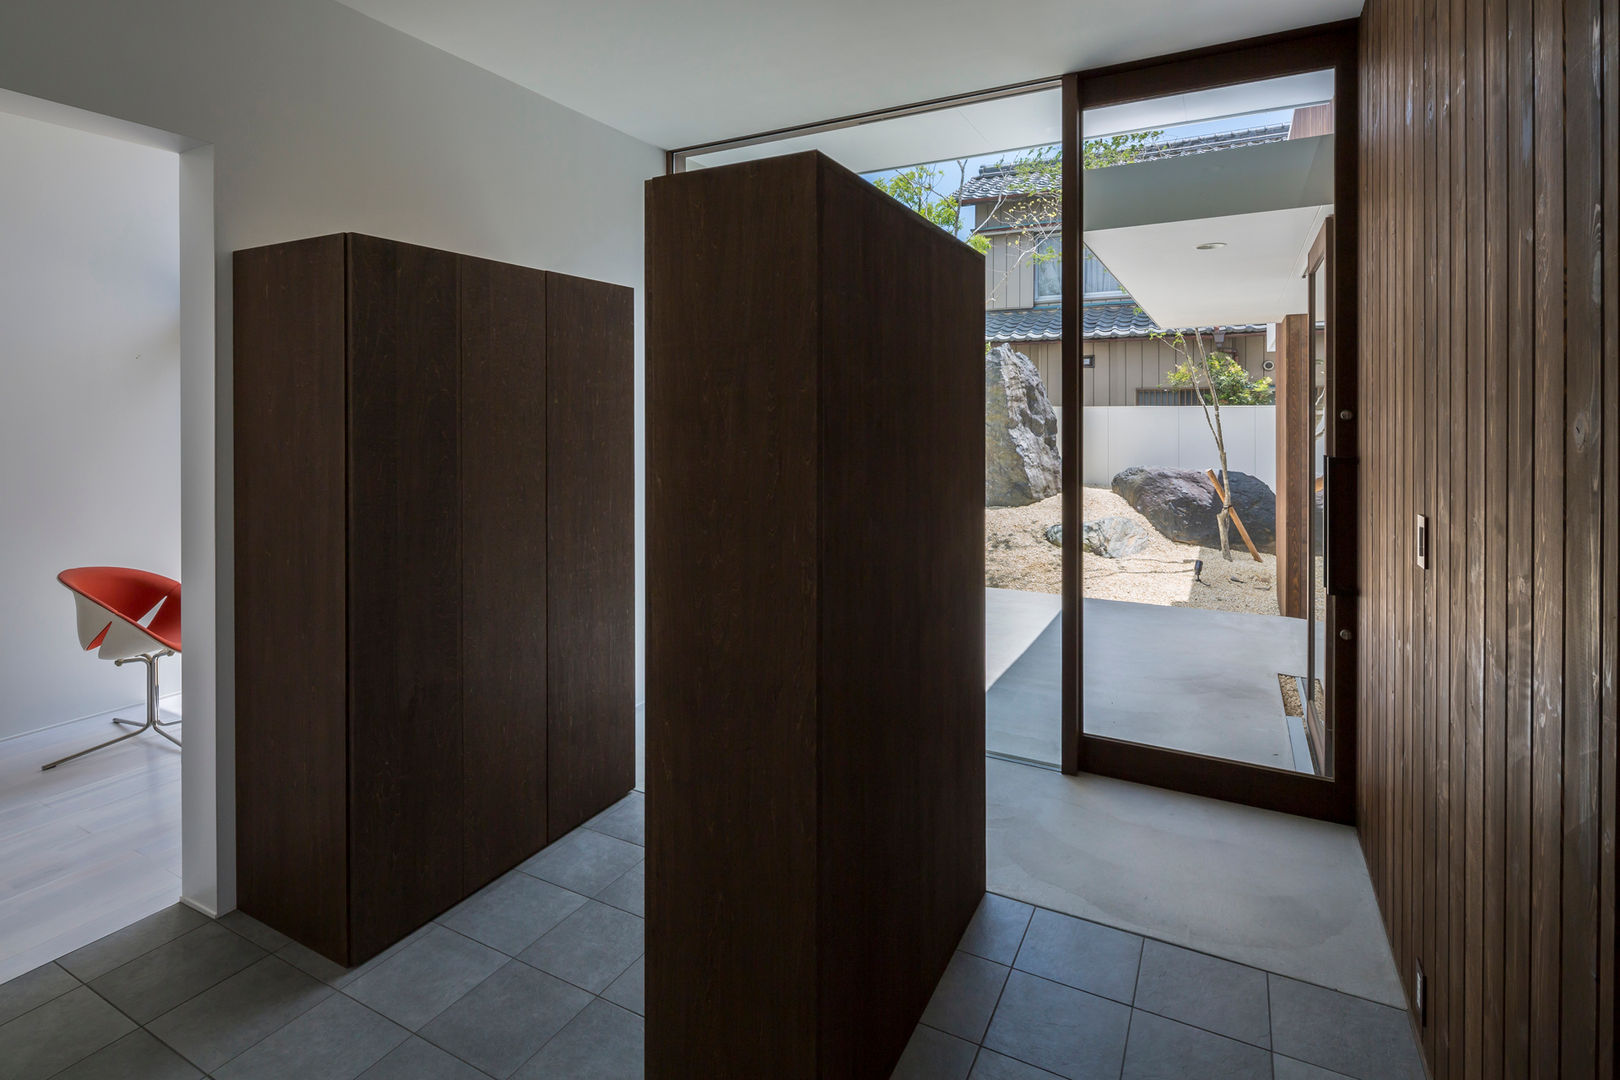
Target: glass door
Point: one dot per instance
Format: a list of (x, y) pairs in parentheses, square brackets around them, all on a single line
[(1209, 213)]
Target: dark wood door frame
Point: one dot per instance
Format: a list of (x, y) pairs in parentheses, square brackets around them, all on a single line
[(1326, 47)]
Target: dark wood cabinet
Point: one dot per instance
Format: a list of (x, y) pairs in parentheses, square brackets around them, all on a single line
[(815, 575), (434, 577)]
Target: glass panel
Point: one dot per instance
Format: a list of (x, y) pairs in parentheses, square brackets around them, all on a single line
[(1318, 722), (990, 172), (1202, 208)]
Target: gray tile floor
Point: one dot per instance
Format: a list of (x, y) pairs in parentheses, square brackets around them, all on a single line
[(539, 975), (1032, 994)]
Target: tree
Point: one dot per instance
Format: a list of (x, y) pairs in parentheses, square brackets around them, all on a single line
[(1217, 378), (1030, 207)]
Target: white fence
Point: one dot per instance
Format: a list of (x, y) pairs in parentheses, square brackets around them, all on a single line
[(1115, 437)]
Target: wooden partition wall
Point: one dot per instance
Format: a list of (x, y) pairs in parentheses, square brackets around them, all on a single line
[(435, 651), (1489, 319), (815, 619)]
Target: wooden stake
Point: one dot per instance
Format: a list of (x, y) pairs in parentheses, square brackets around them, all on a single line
[(1220, 494)]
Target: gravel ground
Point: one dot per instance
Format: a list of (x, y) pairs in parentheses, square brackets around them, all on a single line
[(1018, 556)]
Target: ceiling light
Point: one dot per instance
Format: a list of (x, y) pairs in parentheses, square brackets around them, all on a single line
[(1215, 245)]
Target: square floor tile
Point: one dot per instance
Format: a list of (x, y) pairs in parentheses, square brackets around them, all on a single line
[(1205, 991), (604, 1042), (965, 996), (1286, 1068), (426, 977), (336, 1040), (993, 1066), (629, 891), (997, 929), (1161, 1049), (584, 861), (418, 1059), (155, 982), (625, 819), (264, 937), (226, 1019), (1351, 1035), (590, 948), (336, 975), (1060, 1029), (934, 1055), (630, 989), (506, 1018), (136, 1055), (70, 1028), (32, 989), (1085, 955), (122, 946), (511, 912)]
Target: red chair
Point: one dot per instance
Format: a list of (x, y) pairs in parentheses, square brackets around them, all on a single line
[(128, 615)]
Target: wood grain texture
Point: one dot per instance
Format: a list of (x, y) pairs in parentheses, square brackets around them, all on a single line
[(1294, 407), (901, 761), (502, 326), (405, 779), (590, 544), (1490, 405), (815, 736), (290, 539)]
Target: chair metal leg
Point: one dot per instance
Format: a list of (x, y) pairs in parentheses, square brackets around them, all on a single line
[(152, 721), (93, 749)]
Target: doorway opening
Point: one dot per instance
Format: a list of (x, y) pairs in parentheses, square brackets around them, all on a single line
[(105, 319)]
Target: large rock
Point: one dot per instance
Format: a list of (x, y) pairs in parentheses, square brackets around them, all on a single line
[(1181, 504), (1022, 463), (1113, 537)]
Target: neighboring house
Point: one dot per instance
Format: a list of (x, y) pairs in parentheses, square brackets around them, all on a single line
[(1122, 361)]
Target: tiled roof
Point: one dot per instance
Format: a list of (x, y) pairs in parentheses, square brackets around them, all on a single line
[(1116, 320), (998, 181)]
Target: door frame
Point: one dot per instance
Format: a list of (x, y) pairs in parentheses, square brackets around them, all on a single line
[(1334, 46)]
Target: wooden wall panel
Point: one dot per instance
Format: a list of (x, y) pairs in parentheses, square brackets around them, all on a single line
[(502, 319), (590, 527), (902, 844), (405, 838), (815, 748), (732, 623), (1486, 788), (288, 390)]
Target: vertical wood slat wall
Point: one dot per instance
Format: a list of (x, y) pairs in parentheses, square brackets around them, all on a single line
[(1489, 330)]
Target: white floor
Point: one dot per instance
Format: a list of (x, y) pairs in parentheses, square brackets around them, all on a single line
[(89, 846), (1284, 893)]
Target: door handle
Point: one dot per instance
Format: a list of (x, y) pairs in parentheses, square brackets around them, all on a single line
[(1340, 475)]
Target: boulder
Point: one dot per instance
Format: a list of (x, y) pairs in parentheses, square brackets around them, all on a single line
[(1022, 463), (1113, 537), (1054, 534), (1182, 505)]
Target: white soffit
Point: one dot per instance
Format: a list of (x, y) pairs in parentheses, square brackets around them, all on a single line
[(1253, 279), (1265, 204), (985, 127)]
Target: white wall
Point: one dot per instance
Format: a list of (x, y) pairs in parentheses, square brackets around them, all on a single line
[(322, 120), (1116, 437), (89, 402)]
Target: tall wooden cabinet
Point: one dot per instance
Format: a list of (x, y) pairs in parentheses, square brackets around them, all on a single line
[(815, 638), (434, 577)]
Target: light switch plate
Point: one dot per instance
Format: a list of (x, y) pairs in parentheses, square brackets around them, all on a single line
[(1421, 545)]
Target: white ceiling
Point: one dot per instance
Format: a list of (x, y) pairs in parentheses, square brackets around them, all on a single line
[(676, 74)]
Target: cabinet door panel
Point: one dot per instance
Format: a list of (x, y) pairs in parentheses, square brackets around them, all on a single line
[(503, 508), (405, 780), (590, 466)]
